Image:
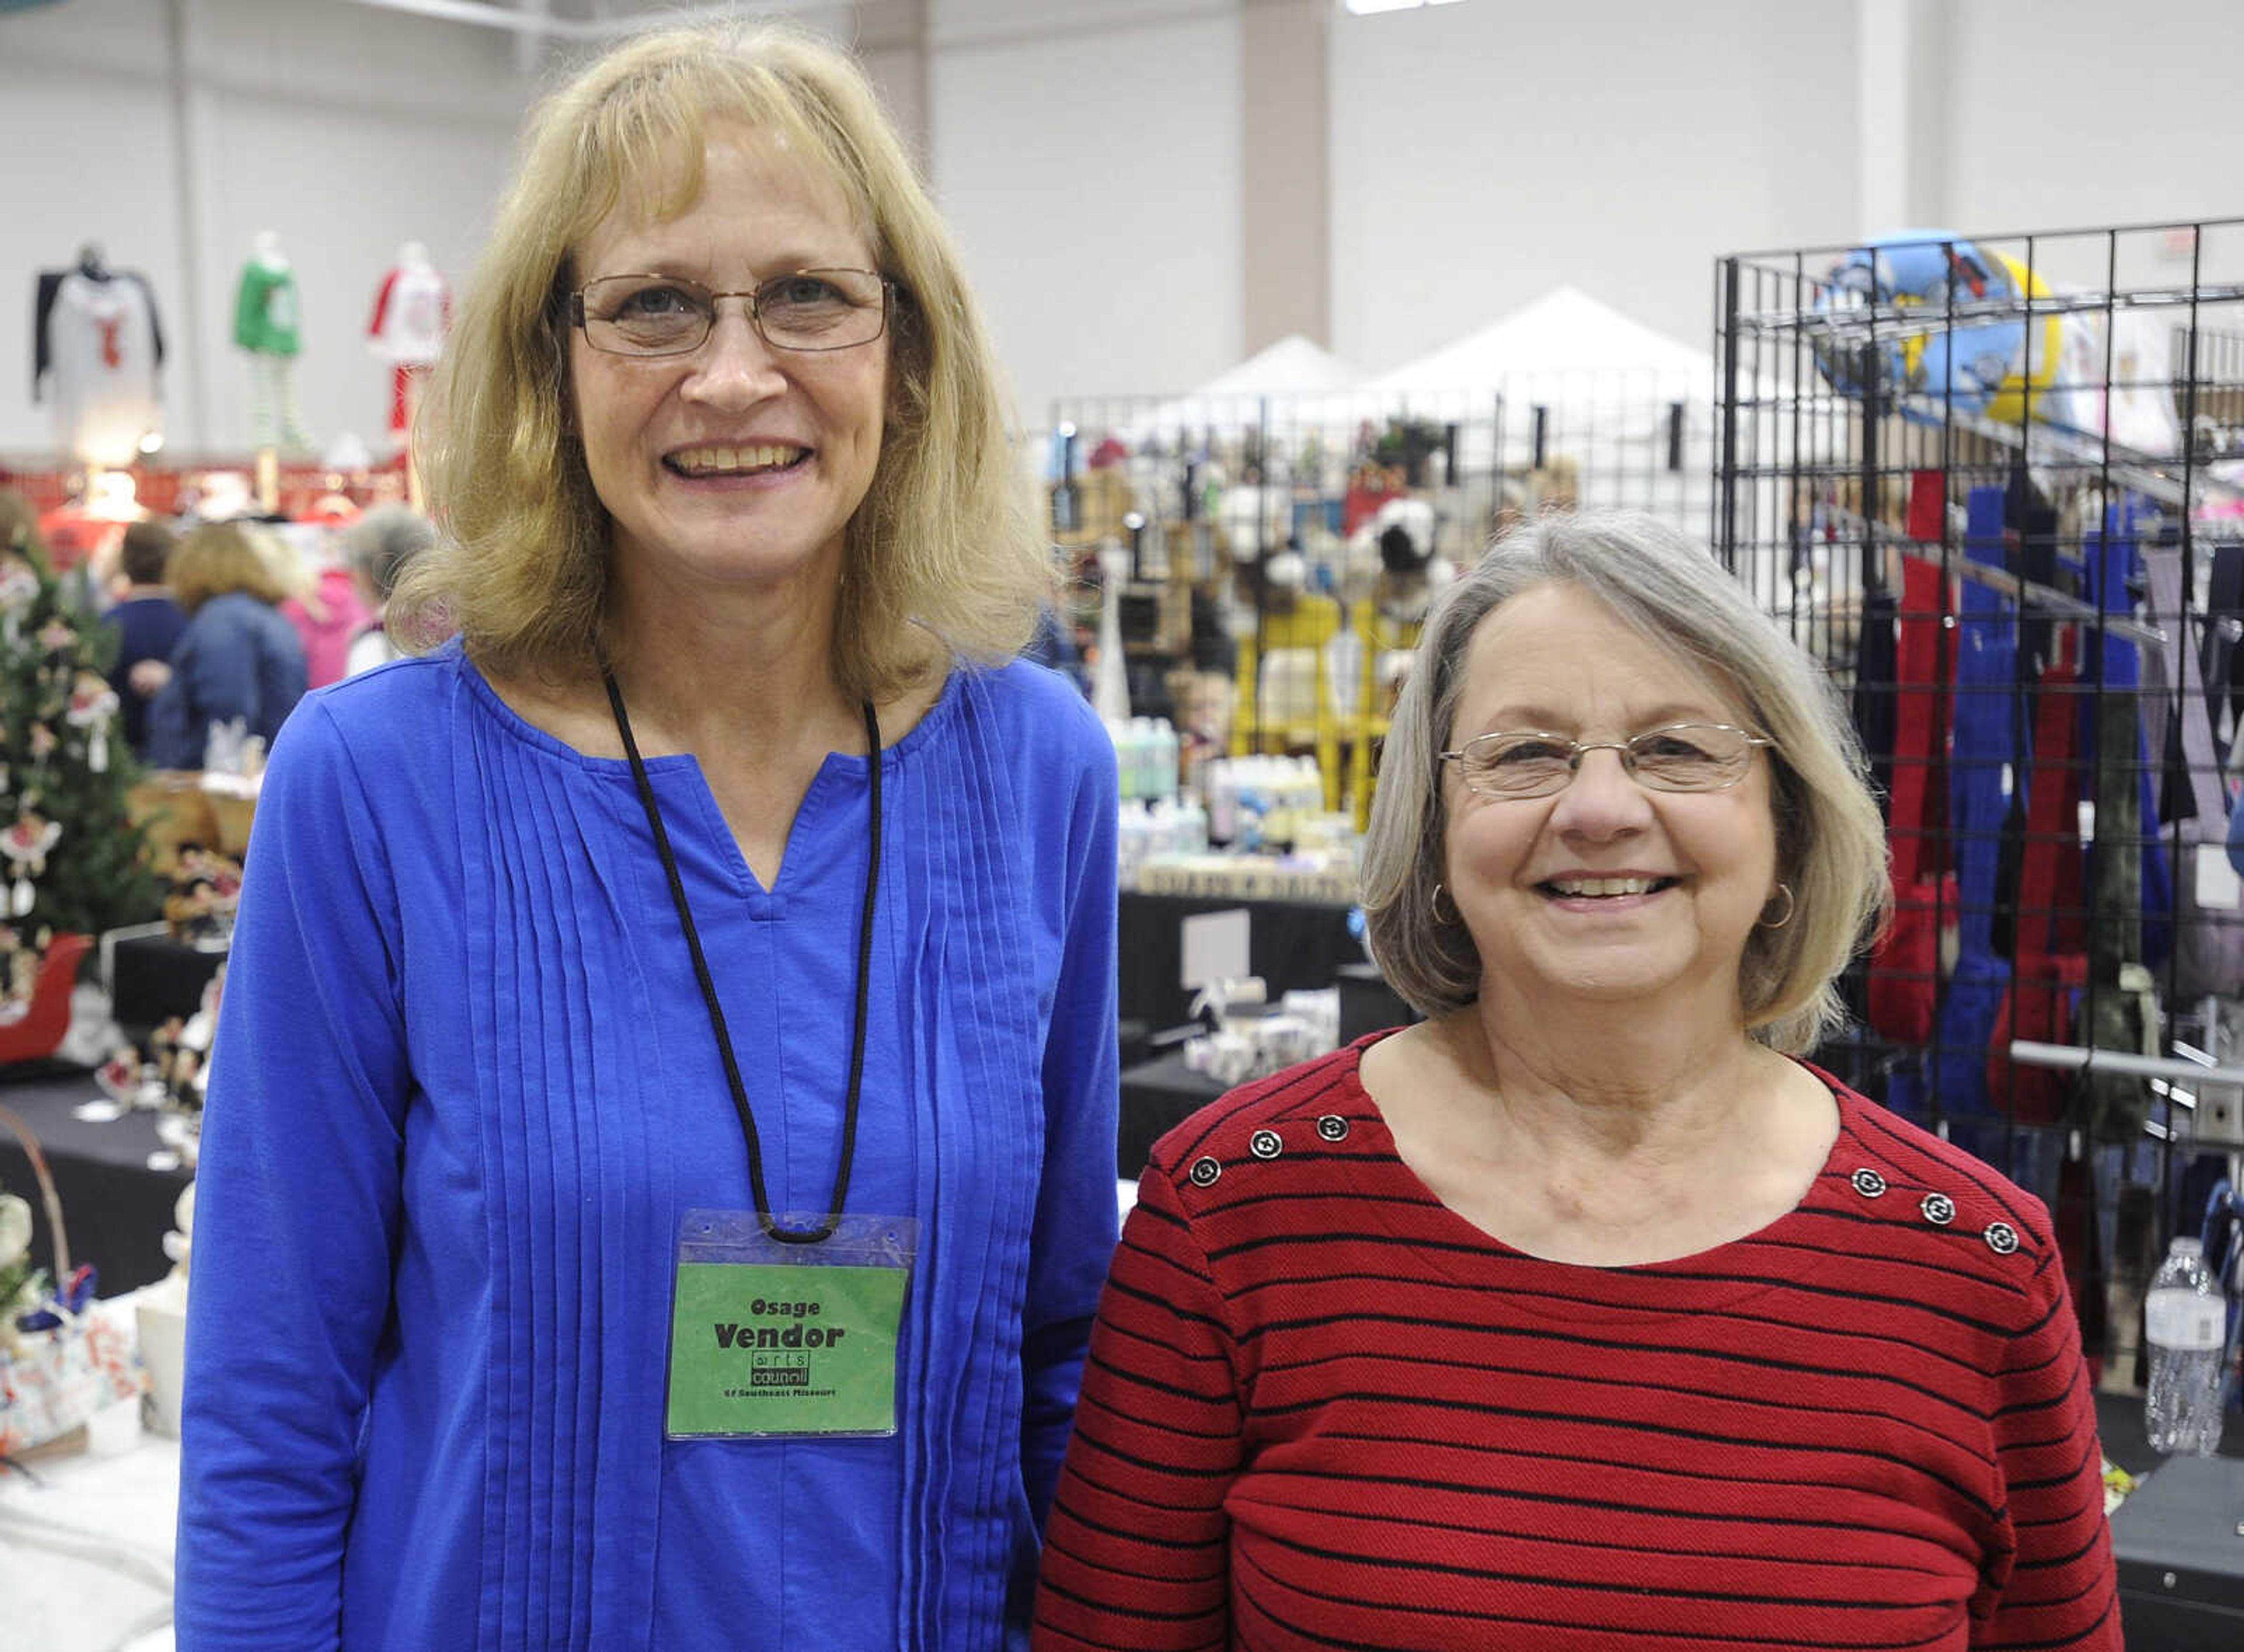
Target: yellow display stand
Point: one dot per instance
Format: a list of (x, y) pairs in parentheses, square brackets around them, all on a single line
[(1294, 636), (1343, 743)]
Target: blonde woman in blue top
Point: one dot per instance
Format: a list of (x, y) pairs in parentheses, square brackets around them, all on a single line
[(720, 865)]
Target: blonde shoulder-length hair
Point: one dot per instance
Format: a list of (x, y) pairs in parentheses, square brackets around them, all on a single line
[(1830, 838), (942, 559), (217, 559)]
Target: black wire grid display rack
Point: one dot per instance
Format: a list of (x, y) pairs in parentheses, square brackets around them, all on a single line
[(1995, 484), (1206, 493)]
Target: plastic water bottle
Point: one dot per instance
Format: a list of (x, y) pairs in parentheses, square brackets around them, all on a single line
[(2187, 1322)]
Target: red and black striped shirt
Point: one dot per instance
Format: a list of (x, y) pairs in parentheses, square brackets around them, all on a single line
[(1321, 1410)]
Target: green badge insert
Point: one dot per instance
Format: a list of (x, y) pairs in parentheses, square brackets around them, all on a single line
[(797, 1344)]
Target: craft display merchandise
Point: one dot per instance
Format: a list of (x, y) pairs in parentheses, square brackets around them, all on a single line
[(167, 1078), (205, 893), (161, 1316), (1249, 1039), (59, 1362), (1252, 877), (20, 958), (22, 1286)]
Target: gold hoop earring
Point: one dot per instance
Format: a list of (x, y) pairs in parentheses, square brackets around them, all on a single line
[(1435, 906), (1791, 905)]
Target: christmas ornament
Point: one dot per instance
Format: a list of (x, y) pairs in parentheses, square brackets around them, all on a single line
[(92, 704), (25, 845), (19, 589)]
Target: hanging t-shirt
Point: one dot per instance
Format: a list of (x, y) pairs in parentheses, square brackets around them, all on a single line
[(411, 313), (265, 310), (99, 339)]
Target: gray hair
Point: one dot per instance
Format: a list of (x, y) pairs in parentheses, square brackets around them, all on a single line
[(379, 545), (1830, 838)]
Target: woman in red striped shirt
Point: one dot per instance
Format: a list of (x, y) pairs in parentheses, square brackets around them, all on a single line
[(1584, 1314)]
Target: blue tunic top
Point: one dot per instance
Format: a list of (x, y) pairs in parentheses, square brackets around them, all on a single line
[(463, 1088)]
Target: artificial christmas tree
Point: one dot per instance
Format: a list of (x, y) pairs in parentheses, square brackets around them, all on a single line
[(72, 861)]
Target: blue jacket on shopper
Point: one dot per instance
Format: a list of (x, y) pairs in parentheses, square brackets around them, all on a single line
[(237, 658)]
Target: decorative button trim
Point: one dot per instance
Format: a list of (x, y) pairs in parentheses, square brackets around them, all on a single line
[(1939, 1209), (1869, 1184), (1333, 1128), (2002, 1238), (1265, 1144), (1204, 1172)]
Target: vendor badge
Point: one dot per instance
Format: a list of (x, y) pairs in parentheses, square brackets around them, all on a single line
[(769, 1339)]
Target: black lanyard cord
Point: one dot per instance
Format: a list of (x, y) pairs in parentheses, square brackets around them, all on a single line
[(826, 1229)]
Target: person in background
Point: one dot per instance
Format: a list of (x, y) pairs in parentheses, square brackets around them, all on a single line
[(237, 660), (620, 987), (1585, 1314), (376, 549), (2235, 793), (321, 601), (147, 621)]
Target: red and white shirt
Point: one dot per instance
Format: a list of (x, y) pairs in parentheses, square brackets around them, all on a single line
[(98, 341), (411, 314)]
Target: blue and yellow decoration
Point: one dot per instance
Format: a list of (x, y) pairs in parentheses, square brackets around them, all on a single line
[(1977, 365)]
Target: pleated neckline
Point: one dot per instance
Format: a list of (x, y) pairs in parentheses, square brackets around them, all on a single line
[(513, 722)]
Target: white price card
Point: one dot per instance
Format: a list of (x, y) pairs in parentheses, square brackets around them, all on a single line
[(1215, 948)]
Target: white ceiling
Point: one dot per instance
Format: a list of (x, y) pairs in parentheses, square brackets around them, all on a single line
[(582, 19)]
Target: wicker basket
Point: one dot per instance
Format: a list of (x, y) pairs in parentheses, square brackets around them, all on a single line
[(51, 1385)]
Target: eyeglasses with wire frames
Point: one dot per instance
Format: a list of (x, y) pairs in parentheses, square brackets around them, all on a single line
[(805, 309), (1679, 757)]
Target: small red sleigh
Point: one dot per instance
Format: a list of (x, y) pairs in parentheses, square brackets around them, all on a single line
[(35, 1034)]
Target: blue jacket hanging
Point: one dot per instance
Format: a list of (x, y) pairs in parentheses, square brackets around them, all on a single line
[(1981, 750)]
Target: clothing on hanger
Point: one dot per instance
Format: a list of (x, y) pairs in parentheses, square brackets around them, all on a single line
[(97, 343), (265, 309)]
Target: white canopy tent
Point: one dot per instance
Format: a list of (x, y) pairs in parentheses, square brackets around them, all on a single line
[(1569, 382), (1293, 363), (1293, 381), (1564, 333)]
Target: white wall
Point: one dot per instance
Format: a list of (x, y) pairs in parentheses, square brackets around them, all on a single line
[(86, 124), (1091, 168), (1090, 155), (1482, 153), (345, 129), (2077, 113)]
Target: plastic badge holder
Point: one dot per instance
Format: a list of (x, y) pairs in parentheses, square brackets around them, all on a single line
[(771, 1339)]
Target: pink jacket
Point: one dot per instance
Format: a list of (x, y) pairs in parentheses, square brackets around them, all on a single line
[(326, 625)]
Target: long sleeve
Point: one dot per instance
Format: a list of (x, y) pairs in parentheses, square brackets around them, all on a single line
[(1073, 1238), (298, 1212), (155, 321), (43, 309), (2062, 1584), (380, 307), (1136, 1551), (171, 731)]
